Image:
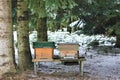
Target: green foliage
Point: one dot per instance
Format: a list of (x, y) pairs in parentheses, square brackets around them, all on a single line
[(58, 12), (37, 6), (33, 23), (117, 28), (51, 25), (109, 31), (98, 14), (94, 43), (49, 9), (14, 12)]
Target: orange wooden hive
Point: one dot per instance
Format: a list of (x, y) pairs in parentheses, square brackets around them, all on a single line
[(43, 50), (43, 53)]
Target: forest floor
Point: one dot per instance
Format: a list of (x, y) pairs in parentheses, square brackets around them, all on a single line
[(101, 64)]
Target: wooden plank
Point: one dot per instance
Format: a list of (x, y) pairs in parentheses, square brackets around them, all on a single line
[(80, 61), (69, 60), (46, 60), (42, 60), (57, 60), (68, 46)]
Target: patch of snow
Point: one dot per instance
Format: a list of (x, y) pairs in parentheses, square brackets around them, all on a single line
[(79, 23)]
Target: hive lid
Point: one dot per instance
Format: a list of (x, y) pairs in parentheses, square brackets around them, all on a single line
[(43, 44)]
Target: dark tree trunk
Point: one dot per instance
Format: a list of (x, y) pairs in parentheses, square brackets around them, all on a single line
[(117, 41), (42, 29), (42, 24), (24, 54), (57, 26)]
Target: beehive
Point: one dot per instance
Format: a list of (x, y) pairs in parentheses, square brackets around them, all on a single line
[(43, 53), (68, 50), (43, 50)]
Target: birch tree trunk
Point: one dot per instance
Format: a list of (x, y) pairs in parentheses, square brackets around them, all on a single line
[(6, 38)]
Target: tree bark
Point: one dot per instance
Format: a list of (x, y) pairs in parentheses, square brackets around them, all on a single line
[(6, 38), (42, 29), (42, 24), (24, 54), (117, 41)]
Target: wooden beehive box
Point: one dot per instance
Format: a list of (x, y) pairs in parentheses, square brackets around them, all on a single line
[(43, 53), (68, 50), (43, 50)]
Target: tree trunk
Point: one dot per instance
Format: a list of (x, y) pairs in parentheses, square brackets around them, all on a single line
[(117, 41), (42, 29), (24, 54), (69, 29), (58, 26), (6, 38), (42, 24)]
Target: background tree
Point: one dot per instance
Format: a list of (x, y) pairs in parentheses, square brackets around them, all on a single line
[(100, 16), (24, 54), (42, 23), (43, 9), (6, 38)]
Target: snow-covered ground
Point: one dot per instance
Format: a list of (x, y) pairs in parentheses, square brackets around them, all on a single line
[(99, 67), (103, 62)]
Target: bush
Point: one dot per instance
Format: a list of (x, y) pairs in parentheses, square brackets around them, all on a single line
[(94, 43)]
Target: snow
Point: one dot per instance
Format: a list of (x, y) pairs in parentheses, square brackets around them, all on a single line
[(66, 37), (99, 67), (82, 39), (102, 61), (104, 66), (79, 23)]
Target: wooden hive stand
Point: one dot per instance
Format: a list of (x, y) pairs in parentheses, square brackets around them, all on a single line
[(69, 52), (44, 52)]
